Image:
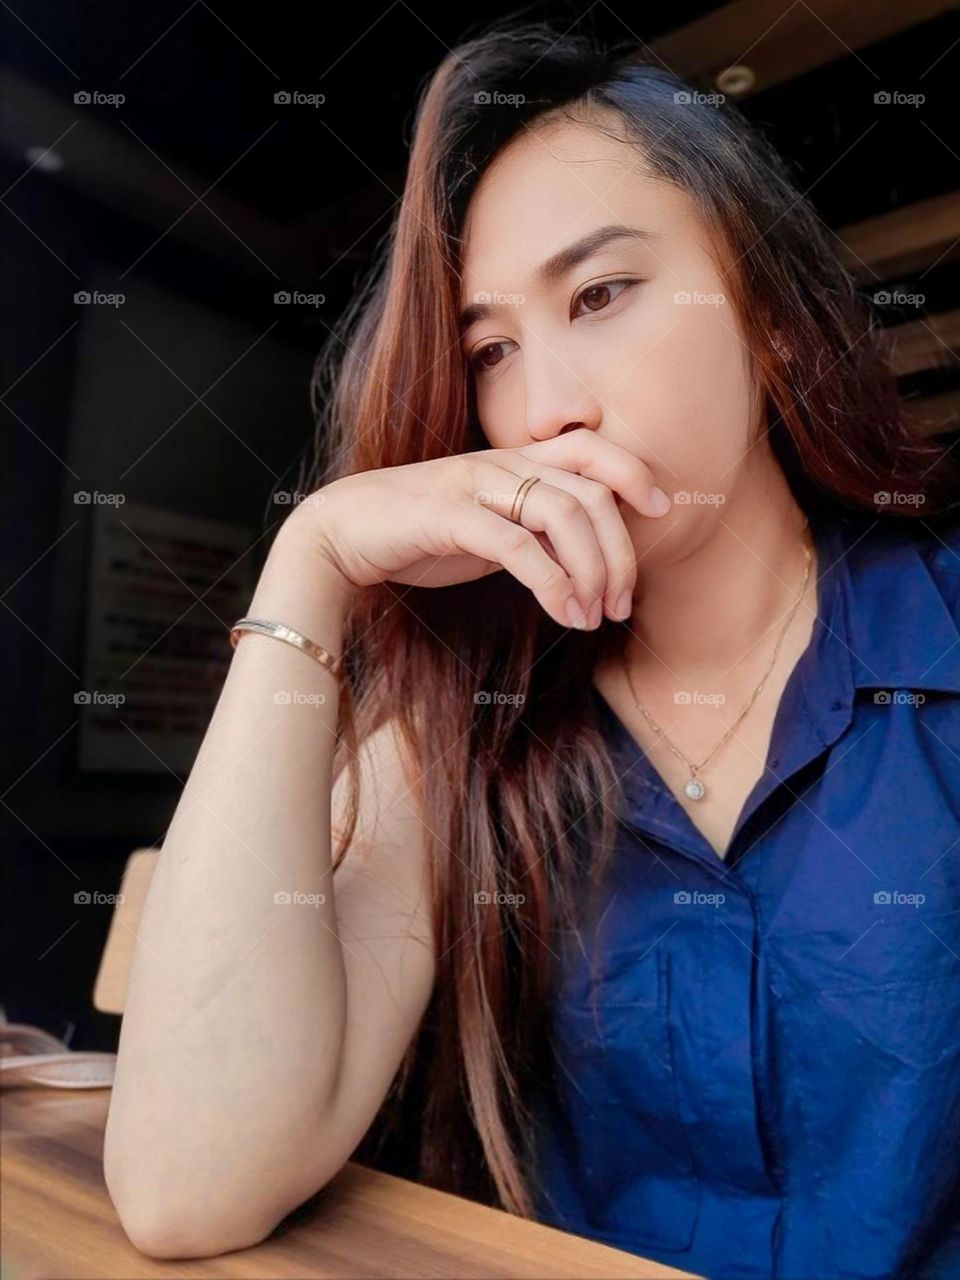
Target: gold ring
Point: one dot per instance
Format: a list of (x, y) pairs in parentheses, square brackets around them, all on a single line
[(520, 497)]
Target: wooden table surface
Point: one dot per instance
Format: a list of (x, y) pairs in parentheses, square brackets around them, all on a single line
[(58, 1222)]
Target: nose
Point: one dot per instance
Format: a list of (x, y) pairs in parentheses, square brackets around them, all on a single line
[(558, 397)]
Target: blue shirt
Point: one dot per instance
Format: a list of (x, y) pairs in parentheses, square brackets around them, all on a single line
[(767, 1084)]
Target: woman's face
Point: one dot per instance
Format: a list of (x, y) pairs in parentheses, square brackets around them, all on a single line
[(632, 339)]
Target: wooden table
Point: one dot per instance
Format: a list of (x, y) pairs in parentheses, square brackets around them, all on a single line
[(58, 1222)]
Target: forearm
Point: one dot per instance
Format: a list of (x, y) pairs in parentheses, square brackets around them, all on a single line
[(236, 1006)]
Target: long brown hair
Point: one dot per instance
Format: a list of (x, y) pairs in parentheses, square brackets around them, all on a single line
[(490, 696)]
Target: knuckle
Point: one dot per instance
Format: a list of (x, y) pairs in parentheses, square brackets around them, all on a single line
[(517, 539), (554, 579), (467, 463), (565, 504), (598, 499)]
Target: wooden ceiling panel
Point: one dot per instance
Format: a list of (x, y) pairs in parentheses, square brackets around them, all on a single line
[(780, 41)]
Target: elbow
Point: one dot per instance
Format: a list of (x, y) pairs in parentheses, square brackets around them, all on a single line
[(161, 1225), (168, 1234), (180, 1240)]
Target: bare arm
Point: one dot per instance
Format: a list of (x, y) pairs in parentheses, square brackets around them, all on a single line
[(260, 1037)]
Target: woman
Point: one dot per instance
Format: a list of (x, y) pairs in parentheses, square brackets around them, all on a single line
[(647, 876)]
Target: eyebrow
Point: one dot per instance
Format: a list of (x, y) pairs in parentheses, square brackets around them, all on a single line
[(556, 267)]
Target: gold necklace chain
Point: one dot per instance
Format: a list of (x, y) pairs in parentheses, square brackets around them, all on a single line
[(694, 788)]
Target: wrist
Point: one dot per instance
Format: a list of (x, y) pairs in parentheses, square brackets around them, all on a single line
[(303, 546), (302, 588)]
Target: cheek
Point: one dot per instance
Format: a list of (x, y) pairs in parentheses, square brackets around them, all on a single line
[(687, 399), (500, 421)]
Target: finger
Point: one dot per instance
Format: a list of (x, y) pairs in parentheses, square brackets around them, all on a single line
[(485, 534), (558, 513), (616, 545), (592, 455)]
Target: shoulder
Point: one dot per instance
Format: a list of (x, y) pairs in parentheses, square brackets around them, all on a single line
[(943, 560), (901, 547), (939, 551), (900, 583)]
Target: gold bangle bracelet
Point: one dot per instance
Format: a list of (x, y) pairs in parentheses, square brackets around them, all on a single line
[(279, 632)]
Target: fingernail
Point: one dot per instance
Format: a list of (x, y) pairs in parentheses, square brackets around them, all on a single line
[(575, 614), (625, 605), (659, 502)]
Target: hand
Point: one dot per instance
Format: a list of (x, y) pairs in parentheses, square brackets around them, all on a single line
[(447, 520)]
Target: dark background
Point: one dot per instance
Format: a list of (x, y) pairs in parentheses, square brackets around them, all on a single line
[(199, 198)]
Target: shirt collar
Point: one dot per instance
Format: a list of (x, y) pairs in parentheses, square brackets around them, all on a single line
[(881, 622), (889, 614)]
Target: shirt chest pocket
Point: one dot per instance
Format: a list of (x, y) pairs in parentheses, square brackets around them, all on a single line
[(866, 1031), (615, 1064), (890, 996)]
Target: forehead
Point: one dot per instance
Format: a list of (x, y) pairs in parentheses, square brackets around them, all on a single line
[(551, 185)]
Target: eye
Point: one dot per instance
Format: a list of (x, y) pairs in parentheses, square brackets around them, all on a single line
[(597, 296), (486, 358)]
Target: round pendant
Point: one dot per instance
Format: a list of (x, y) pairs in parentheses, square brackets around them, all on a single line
[(695, 789)]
